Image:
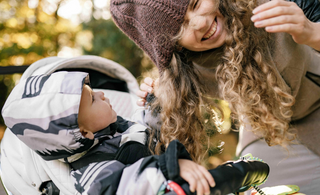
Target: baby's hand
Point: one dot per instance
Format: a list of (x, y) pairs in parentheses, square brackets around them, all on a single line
[(283, 16), (197, 176), (145, 88)]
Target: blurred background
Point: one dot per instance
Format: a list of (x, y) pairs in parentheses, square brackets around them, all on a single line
[(33, 29)]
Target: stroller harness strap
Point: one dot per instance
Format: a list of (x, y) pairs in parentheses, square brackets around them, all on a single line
[(91, 159), (136, 149)]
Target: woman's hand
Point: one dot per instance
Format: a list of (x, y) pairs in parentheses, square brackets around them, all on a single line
[(283, 16), (145, 88), (197, 176)]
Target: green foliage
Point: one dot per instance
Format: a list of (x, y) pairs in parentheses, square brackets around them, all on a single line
[(109, 42)]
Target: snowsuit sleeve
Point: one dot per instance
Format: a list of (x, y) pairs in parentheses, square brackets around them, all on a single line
[(143, 177)]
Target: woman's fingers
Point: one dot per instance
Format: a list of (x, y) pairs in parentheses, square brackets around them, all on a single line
[(146, 88), (141, 102), (270, 5), (277, 11), (190, 178), (202, 186), (271, 13), (149, 84), (197, 176), (289, 28), (187, 172), (208, 176), (148, 81), (205, 180), (142, 94), (282, 16), (278, 21), (197, 183)]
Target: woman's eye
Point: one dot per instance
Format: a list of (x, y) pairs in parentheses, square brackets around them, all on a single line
[(195, 4), (92, 98)]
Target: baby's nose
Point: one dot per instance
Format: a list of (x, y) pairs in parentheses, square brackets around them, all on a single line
[(101, 95), (107, 99)]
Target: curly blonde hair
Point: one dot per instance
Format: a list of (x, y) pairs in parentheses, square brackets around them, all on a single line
[(248, 80), (180, 97)]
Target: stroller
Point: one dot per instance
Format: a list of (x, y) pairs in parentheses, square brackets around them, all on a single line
[(24, 172)]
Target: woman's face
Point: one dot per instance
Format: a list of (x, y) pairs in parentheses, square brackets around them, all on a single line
[(204, 29)]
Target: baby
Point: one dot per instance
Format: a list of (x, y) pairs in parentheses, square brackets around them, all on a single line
[(60, 117)]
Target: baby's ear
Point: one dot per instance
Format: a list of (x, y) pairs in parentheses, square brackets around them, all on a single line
[(87, 134)]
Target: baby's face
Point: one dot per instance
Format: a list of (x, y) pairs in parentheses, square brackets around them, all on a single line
[(204, 29), (95, 111)]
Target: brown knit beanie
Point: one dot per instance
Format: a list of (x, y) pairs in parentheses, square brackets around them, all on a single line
[(151, 24)]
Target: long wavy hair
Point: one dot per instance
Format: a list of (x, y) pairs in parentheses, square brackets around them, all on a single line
[(248, 80), (179, 97)]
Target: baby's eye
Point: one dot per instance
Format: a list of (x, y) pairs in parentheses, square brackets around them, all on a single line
[(92, 98)]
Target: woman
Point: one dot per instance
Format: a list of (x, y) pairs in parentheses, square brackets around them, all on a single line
[(212, 47)]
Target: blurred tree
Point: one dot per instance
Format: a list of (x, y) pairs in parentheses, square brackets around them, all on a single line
[(28, 33), (109, 42)]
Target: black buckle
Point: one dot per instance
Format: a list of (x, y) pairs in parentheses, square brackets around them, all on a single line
[(49, 188)]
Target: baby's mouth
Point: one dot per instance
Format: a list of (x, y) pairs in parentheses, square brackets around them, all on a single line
[(211, 31)]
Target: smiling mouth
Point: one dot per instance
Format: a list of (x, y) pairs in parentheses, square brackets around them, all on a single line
[(211, 31)]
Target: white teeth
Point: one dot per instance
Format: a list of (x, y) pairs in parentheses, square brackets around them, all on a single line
[(212, 31)]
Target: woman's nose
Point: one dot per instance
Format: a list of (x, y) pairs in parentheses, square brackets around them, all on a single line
[(198, 22)]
